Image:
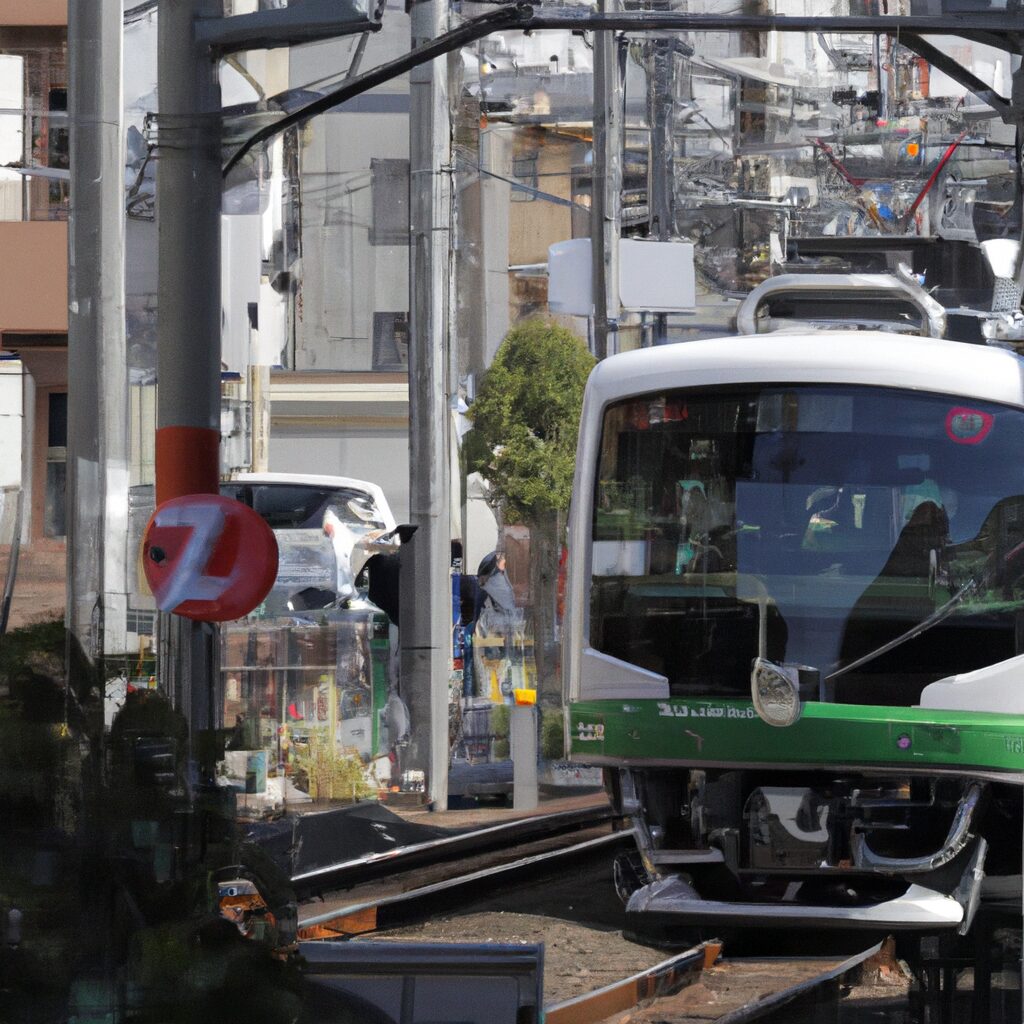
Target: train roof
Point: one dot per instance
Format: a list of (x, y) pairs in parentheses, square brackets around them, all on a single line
[(834, 357)]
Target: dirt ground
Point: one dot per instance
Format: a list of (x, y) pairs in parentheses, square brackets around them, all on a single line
[(577, 958), (582, 958), (730, 985)]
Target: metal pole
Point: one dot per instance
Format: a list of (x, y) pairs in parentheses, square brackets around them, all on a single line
[(97, 461), (606, 189), (661, 161), (523, 744), (425, 581), (188, 330)]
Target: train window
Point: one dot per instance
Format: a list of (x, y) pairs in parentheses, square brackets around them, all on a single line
[(849, 506)]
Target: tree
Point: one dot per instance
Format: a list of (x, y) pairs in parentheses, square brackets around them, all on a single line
[(526, 421)]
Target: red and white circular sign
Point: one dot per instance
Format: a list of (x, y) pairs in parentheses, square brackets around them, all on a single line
[(209, 558)]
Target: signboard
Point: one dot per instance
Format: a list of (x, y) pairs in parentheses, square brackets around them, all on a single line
[(209, 558)]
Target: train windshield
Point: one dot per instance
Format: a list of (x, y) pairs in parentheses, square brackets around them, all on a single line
[(843, 515)]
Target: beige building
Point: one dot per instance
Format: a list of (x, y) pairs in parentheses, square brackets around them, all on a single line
[(33, 288)]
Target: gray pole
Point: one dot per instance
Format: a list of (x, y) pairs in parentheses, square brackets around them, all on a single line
[(189, 311), (660, 163), (97, 463), (606, 188), (426, 627)]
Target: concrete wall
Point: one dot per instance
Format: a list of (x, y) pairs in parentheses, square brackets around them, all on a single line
[(345, 279), (49, 371), (379, 455), (344, 424), (10, 424), (342, 419)]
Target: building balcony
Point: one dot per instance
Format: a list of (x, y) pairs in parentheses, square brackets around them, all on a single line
[(33, 12), (34, 293)]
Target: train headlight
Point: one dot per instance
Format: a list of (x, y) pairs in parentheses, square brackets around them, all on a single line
[(775, 691)]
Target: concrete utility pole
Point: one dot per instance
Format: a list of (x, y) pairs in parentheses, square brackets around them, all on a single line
[(189, 320), (661, 158), (426, 617), (606, 188), (97, 464)]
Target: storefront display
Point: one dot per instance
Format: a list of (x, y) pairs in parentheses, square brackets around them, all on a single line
[(307, 685)]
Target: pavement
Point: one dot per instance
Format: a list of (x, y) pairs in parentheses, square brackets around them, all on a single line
[(487, 814), (40, 586)]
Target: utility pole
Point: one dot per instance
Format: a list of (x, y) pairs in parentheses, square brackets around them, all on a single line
[(97, 464), (606, 188), (426, 626), (189, 320), (661, 156)]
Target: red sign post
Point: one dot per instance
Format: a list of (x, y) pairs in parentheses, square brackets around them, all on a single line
[(208, 557)]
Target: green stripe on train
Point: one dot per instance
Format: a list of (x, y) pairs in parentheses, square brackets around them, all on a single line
[(704, 730)]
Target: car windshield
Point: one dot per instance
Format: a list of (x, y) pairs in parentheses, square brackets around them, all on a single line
[(844, 515), (302, 506)]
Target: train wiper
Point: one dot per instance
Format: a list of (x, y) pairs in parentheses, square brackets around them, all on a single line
[(937, 616), (974, 584)]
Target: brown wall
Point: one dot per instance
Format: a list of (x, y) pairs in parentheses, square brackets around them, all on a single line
[(34, 284), (33, 12), (533, 226)]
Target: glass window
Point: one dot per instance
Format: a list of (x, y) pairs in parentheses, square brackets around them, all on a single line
[(844, 515), (524, 170), (303, 506), (391, 342), (390, 224), (34, 125)]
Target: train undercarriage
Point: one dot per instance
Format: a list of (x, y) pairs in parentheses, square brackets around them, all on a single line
[(719, 849)]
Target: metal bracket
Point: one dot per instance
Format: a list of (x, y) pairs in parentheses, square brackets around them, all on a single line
[(958, 837)]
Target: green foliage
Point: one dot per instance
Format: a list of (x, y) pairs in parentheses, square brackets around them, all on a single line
[(552, 735), (332, 776), (526, 419), (500, 718), (500, 722), (39, 647)]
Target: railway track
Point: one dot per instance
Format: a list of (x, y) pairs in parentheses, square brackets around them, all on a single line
[(557, 892), (403, 859), (415, 895)]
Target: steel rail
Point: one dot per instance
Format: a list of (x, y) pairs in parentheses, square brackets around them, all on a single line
[(765, 1007), (407, 899), (663, 979), (356, 869)]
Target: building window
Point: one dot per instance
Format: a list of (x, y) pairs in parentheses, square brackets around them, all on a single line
[(139, 622), (390, 187), (34, 124), (524, 170), (54, 514), (391, 342)]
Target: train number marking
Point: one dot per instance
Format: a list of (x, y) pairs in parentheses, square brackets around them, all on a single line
[(1014, 744), (667, 710)]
